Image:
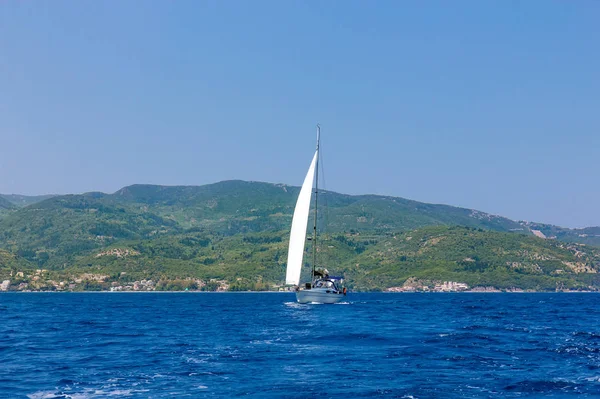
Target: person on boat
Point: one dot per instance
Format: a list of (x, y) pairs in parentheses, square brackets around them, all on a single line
[(324, 284)]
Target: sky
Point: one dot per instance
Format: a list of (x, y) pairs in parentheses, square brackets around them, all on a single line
[(491, 105)]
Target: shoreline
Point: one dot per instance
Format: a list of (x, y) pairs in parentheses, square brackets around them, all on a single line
[(291, 292)]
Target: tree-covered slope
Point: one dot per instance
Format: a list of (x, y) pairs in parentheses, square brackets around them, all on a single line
[(587, 235), (424, 256), (237, 232), (234, 206), (5, 208), (6, 204), (24, 200), (228, 207), (50, 233), (11, 261), (64, 225), (478, 258)]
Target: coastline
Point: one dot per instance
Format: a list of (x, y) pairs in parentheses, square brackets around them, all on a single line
[(290, 292)]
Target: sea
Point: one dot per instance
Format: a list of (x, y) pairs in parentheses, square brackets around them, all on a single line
[(265, 345)]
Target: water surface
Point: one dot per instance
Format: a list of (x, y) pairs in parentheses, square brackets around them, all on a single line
[(152, 345)]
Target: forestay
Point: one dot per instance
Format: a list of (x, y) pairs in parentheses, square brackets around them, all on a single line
[(299, 224)]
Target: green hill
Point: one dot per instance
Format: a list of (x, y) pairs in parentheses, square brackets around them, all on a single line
[(478, 258), (6, 207), (50, 233), (6, 204), (11, 202), (11, 265), (587, 235), (236, 233), (11, 261), (238, 206), (425, 256), (24, 200)]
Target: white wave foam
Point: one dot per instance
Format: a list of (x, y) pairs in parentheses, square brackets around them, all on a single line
[(87, 393), (262, 342), (43, 395)]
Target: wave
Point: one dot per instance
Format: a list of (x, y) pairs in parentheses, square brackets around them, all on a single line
[(542, 386)]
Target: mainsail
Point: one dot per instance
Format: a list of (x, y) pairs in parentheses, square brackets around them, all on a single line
[(299, 224)]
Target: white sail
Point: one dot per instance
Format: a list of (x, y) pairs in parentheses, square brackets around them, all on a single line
[(299, 223)]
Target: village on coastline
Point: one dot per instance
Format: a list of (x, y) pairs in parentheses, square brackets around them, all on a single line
[(40, 281)]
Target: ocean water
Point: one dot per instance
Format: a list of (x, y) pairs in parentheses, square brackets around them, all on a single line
[(153, 345)]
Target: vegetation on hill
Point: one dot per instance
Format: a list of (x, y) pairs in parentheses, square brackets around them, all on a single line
[(369, 262), (477, 258), (51, 233), (255, 206), (10, 261), (234, 235), (6, 204), (11, 202), (587, 235), (24, 200)]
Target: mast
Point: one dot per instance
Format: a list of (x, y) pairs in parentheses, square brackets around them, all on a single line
[(316, 201)]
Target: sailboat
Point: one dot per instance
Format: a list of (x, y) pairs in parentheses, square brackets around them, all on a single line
[(322, 288)]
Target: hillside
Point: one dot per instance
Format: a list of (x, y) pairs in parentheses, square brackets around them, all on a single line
[(255, 206), (11, 202), (50, 232), (232, 207), (479, 258), (6, 207), (6, 204), (421, 257), (24, 200), (236, 232), (587, 235), (12, 262)]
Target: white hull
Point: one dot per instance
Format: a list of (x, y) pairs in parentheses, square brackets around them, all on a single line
[(318, 295)]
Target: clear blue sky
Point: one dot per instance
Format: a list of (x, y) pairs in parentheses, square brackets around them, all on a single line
[(492, 105)]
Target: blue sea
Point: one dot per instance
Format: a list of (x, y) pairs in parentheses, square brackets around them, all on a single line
[(168, 345)]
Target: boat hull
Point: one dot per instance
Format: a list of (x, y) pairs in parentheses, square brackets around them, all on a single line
[(317, 295)]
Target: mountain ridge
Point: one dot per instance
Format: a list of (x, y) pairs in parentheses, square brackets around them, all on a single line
[(150, 194), (20, 200), (6, 204)]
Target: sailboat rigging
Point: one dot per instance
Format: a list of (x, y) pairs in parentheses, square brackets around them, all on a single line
[(322, 288)]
